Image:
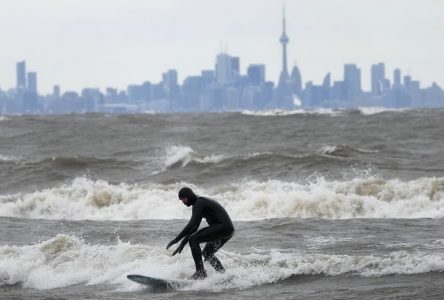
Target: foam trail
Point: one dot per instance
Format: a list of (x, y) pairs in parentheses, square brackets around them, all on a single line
[(250, 200), (368, 111), (8, 158), (67, 260), (280, 112)]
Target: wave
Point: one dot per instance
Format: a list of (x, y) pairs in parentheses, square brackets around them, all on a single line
[(3, 118), (66, 260), (368, 111), (85, 199), (182, 155), (8, 158), (281, 112), (343, 150)]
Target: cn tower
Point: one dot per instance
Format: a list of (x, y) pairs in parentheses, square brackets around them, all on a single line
[(284, 41)]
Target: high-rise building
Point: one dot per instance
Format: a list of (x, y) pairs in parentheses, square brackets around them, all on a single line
[(169, 78), (56, 91), (21, 76), (256, 74), (32, 82), (296, 81), (352, 81), (397, 78), (235, 64), (407, 81), (377, 79), (208, 77), (170, 85), (227, 69)]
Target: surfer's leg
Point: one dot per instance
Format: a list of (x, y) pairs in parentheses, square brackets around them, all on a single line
[(210, 249), (208, 234)]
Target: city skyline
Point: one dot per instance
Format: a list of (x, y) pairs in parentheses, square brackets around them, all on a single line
[(307, 46)]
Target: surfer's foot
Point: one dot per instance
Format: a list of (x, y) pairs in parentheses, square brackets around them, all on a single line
[(199, 275), (220, 269)]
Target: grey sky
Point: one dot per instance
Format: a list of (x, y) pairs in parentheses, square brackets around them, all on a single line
[(100, 43)]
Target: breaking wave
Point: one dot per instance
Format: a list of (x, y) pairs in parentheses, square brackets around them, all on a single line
[(280, 112), (368, 111), (66, 260), (85, 199), (8, 158), (343, 150), (181, 156)]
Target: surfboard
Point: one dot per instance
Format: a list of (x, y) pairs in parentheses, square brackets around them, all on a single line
[(159, 283)]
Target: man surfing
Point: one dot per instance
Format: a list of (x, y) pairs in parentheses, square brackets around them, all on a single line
[(219, 231)]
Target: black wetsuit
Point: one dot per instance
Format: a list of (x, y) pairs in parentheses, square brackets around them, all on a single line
[(219, 231)]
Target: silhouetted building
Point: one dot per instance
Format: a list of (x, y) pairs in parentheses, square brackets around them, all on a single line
[(21, 76), (296, 81), (32, 82), (397, 78), (377, 78), (56, 91), (256, 74), (352, 81), (227, 69)]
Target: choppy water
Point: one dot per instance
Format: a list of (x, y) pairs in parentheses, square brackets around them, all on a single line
[(327, 204)]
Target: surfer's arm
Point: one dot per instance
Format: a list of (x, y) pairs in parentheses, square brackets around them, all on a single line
[(193, 224)]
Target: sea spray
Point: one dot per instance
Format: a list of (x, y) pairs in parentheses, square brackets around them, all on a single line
[(66, 260), (85, 199)]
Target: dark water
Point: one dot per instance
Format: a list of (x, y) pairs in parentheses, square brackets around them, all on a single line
[(336, 204)]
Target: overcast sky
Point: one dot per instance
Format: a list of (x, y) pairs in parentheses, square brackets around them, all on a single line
[(101, 43)]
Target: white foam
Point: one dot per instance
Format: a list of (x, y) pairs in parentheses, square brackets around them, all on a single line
[(3, 118), (181, 156), (368, 111), (67, 260), (250, 200), (6, 158), (327, 149), (177, 155), (281, 112)]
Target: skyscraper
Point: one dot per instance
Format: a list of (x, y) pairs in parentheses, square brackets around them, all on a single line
[(397, 78), (256, 74), (352, 81), (227, 69), (32, 82), (56, 91), (21, 76), (296, 81), (378, 78)]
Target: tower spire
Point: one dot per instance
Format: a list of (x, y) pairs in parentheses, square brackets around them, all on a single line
[(284, 41)]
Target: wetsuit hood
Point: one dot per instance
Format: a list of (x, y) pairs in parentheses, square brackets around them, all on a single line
[(188, 193)]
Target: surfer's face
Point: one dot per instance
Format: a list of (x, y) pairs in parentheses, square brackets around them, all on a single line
[(184, 201)]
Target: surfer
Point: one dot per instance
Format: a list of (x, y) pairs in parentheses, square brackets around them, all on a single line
[(219, 231)]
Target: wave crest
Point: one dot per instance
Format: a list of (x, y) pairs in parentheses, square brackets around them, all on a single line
[(66, 260), (249, 200)]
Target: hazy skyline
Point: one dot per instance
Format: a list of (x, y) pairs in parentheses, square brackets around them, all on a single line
[(94, 43)]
